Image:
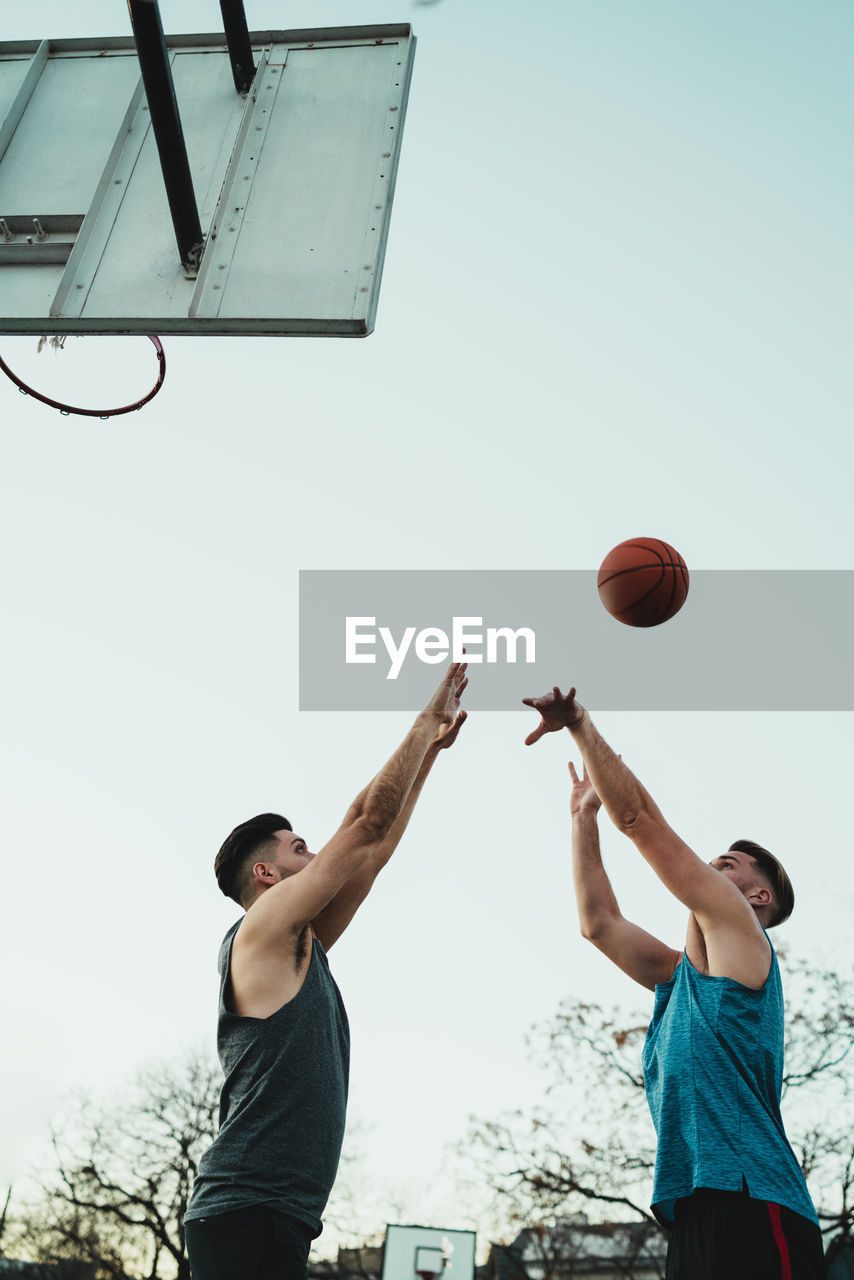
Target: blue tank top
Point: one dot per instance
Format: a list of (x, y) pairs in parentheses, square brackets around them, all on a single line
[(283, 1102), (713, 1069)]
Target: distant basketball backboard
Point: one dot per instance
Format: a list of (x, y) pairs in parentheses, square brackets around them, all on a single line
[(293, 180), (413, 1253)]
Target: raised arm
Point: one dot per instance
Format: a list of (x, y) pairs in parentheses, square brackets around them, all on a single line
[(639, 954), (735, 943), (334, 918), (286, 907)]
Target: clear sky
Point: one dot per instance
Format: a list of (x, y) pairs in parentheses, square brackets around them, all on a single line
[(616, 302)]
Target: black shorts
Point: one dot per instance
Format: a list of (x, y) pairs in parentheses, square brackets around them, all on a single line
[(256, 1243), (726, 1234)]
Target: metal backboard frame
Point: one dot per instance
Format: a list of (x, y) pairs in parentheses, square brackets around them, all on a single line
[(294, 183)]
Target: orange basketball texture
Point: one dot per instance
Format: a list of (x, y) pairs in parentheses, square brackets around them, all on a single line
[(643, 582)]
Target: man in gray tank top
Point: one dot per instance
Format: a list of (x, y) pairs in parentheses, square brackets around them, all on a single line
[(283, 1037)]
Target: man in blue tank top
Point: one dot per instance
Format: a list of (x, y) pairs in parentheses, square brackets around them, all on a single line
[(727, 1184), (283, 1036)]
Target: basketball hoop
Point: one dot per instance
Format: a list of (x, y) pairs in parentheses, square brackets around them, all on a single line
[(430, 1262), (66, 409)]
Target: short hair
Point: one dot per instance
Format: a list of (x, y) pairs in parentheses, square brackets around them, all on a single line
[(781, 885), (232, 862)]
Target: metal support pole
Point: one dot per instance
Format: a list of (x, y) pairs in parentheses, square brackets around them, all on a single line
[(168, 134), (239, 46)]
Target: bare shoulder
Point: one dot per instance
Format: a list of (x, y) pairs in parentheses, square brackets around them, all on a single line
[(742, 952), (267, 970)]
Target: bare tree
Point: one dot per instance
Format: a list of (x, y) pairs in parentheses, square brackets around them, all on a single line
[(591, 1144), (68, 1243), (123, 1176), (574, 1247), (3, 1218)]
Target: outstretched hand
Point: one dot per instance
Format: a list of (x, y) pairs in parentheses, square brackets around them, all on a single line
[(445, 702), (557, 712), (584, 796), (446, 734)]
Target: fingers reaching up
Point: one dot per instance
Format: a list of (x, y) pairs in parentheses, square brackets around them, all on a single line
[(584, 796), (557, 711), (446, 700)]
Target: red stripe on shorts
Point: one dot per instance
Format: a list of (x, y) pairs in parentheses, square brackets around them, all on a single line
[(780, 1241)]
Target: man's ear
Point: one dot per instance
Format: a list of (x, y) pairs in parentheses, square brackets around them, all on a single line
[(759, 897)]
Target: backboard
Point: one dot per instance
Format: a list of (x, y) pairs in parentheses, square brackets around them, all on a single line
[(294, 184), (412, 1251)]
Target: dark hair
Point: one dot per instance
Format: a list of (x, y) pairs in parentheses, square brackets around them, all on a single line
[(781, 885), (232, 861)]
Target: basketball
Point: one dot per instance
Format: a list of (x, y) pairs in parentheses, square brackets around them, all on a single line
[(643, 582)]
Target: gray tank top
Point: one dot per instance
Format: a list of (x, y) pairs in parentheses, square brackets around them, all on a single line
[(283, 1103)]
